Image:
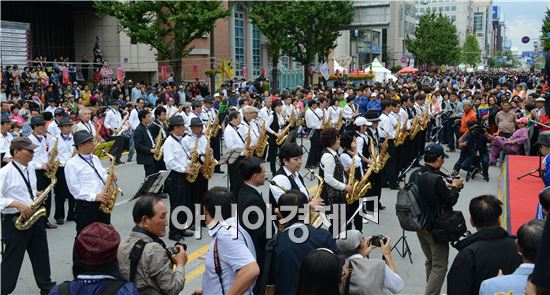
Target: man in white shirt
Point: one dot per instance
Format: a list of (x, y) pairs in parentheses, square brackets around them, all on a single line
[(113, 121), (53, 129), (85, 122), (171, 110), (386, 129), (5, 140), (314, 120), (65, 151), (17, 192), (51, 106), (200, 185), (86, 178), (235, 137), (266, 110), (176, 159), (133, 120), (215, 141)]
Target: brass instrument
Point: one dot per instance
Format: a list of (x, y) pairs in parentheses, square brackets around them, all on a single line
[(314, 216), (425, 118), (158, 146), (338, 125), (284, 135), (38, 211), (215, 128), (124, 126), (207, 168), (398, 131), (361, 187), (415, 127), (351, 178), (248, 142), (326, 123), (300, 118), (53, 164), (373, 155), (383, 156), (402, 135), (194, 162), (111, 189), (206, 130), (262, 142)]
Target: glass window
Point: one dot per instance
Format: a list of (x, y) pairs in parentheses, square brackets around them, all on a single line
[(447, 8), (239, 40), (255, 51), (453, 8), (478, 21), (453, 18), (285, 61)]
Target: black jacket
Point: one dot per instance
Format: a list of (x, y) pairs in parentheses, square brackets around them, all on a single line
[(434, 192), (480, 257), (155, 128), (143, 146)]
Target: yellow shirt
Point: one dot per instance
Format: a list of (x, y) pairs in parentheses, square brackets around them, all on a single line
[(86, 97)]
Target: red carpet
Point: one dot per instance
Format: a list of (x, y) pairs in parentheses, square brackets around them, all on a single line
[(520, 197)]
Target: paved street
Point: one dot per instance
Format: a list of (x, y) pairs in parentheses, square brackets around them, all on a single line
[(130, 176)]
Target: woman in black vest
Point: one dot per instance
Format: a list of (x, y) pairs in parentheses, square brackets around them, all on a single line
[(349, 145), (376, 178), (273, 127)]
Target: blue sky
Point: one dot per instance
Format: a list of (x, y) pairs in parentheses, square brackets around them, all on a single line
[(522, 18)]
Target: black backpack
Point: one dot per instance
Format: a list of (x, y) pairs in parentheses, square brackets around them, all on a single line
[(110, 287), (410, 208)]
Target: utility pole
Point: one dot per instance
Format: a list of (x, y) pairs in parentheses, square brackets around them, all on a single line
[(212, 64)]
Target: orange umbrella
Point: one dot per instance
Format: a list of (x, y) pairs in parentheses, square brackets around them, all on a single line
[(407, 70)]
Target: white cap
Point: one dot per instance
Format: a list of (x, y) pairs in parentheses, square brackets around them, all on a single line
[(541, 99), (362, 121)]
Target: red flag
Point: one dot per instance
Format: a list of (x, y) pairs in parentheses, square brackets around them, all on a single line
[(120, 74), (163, 72), (195, 70), (264, 71), (244, 71)]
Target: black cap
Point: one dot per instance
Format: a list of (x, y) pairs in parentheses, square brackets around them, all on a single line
[(312, 102), (51, 100), (544, 138), (196, 104), (37, 120), (196, 122), (113, 102), (64, 122), (208, 99), (372, 116), (22, 143), (435, 150), (176, 120), (81, 137), (59, 112)]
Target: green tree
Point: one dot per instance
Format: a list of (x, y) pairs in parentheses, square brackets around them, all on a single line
[(436, 41), (167, 26), (545, 29), (316, 26), (471, 53), (271, 17)]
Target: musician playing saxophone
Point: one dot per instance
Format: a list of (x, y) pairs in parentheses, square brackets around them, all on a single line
[(349, 145), (114, 123), (274, 127), (144, 143), (159, 126), (235, 138), (200, 185), (65, 152), (86, 178), (17, 191)]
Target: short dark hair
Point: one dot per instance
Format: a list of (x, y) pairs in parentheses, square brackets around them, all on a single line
[(233, 115), (529, 236), (218, 196), (385, 103), (250, 166), (48, 116), (430, 158), (276, 103), (320, 273), (485, 211), (159, 111), (290, 150), (139, 99), (347, 139), (292, 198), (544, 198), (144, 207), (328, 137), (142, 114)]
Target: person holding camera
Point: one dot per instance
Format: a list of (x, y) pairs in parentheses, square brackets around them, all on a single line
[(474, 153), (369, 276), (439, 193), (144, 258)]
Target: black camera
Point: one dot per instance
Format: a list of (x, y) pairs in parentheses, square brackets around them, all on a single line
[(375, 240), (175, 250)]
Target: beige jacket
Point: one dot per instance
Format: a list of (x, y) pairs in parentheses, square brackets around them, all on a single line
[(154, 274)]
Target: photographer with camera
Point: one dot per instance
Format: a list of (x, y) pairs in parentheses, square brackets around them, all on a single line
[(144, 258), (439, 194), (474, 152), (369, 276)]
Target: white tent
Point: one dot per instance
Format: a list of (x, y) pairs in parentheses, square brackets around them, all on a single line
[(380, 73)]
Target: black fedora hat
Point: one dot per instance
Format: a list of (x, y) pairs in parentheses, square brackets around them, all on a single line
[(81, 137)]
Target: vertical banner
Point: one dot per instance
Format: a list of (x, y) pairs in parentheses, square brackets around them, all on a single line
[(163, 72), (195, 70), (120, 74), (323, 68), (244, 72), (264, 72)]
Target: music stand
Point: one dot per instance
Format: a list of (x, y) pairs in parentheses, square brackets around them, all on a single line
[(539, 171), (152, 184), (405, 249), (229, 158)]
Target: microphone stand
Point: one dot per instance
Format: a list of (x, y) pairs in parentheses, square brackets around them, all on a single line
[(539, 171)]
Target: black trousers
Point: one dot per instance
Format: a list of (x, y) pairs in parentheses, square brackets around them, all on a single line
[(357, 219), (179, 193), (160, 165), (198, 189), (376, 189), (216, 149), (272, 151), (33, 241), (61, 194), (42, 183), (118, 147), (2, 163), (151, 169), (87, 213), (389, 172), (314, 156), (235, 177)]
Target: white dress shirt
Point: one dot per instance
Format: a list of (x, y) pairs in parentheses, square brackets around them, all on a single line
[(231, 137), (334, 113), (83, 182), (113, 119), (314, 118), (254, 132), (50, 109), (170, 110), (280, 120), (40, 156), (264, 114), (88, 126), (65, 148), (188, 143), (175, 156), (282, 180), (5, 142), (385, 127), (133, 119), (13, 187), (53, 129), (210, 114), (328, 165), (348, 112), (346, 162), (404, 116)]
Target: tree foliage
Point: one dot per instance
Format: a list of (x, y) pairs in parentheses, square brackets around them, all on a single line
[(471, 53), (167, 26), (436, 41), (545, 28)]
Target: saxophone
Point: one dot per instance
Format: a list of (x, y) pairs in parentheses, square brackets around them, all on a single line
[(262, 142), (425, 118), (215, 128), (340, 122), (415, 127), (207, 169), (111, 189), (53, 164), (284, 135), (383, 156), (326, 121), (351, 178), (124, 126), (38, 211), (248, 142), (398, 132), (402, 135), (314, 216), (194, 163), (158, 146)]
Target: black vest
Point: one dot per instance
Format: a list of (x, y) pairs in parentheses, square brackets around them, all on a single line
[(293, 185), (365, 151), (275, 124), (329, 194)]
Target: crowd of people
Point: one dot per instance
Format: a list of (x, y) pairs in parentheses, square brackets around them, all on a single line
[(363, 137)]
